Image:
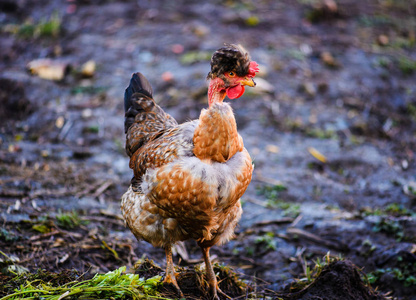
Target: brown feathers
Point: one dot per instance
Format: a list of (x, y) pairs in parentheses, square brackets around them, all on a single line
[(216, 136)]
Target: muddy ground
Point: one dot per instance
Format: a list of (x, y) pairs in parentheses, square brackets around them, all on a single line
[(331, 128)]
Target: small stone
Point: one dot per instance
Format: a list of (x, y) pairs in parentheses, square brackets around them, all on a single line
[(86, 113), (177, 48), (383, 39), (44, 153), (201, 30), (88, 69), (328, 59), (405, 164), (60, 122), (167, 76), (272, 149), (309, 89), (331, 6), (323, 87)]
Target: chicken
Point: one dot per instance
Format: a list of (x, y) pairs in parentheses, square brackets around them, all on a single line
[(188, 178)]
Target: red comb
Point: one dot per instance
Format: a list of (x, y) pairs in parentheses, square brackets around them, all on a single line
[(253, 69)]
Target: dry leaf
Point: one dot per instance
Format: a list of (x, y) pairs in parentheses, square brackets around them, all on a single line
[(48, 69), (58, 243), (318, 155)]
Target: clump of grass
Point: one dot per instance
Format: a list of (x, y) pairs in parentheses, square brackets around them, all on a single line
[(268, 240), (367, 248), (43, 224), (312, 272), (192, 57), (8, 265), (90, 90), (50, 27), (8, 236), (404, 272), (112, 285), (393, 209), (390, 227), (321, 133), (69, 220), (398, 210), (411, 109), (377, 20), (406, 65), (272, 194), (91, 129)]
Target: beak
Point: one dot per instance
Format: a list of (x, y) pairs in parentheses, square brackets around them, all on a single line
[(248, 81)]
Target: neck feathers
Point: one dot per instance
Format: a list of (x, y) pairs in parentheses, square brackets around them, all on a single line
[(215, 93), (216, 137)]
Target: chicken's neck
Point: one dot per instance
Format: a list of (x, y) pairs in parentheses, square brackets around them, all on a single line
[(216, 137), (216, 93)]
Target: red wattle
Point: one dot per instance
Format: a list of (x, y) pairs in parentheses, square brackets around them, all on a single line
[(235, 92)]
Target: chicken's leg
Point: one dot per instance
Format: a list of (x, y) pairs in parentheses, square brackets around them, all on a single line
[(170, 278), (211, 278)]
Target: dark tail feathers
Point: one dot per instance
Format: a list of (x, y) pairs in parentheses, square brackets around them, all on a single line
[(142, 88), (138, 84)]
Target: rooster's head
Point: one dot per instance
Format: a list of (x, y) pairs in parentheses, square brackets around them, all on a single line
[(231, 70)]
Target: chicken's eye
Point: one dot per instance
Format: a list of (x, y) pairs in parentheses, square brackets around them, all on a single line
[(231, 74)]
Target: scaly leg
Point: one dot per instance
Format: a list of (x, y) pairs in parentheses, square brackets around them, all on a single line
[(170, 278), (211, 278)]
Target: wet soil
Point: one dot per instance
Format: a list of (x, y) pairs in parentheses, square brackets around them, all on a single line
[(331, 127)]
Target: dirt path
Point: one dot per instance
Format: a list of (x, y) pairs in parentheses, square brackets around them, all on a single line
[(331, 127)]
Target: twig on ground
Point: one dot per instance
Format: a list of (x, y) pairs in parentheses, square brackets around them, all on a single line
[(316, 239)]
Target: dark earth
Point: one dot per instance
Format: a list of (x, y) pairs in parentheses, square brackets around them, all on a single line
[(331, 128)]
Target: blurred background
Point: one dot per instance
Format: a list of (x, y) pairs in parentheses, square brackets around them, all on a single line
[(331, 127)]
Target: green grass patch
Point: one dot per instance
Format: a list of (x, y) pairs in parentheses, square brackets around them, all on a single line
[(411, 109), (311, 272), (390, 227), (69, 220), (377, 20), (112, 285), (396, 209), (272, 194), (404, 272), (393, 209), (91, 129), (267, 240), (271, 191), (89, 90), (321, 133), (47, 27), (406, 65), (8, 236), (192, 57)]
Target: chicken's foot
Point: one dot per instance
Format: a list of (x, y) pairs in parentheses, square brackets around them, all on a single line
[(211, 278), (170, 277)]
